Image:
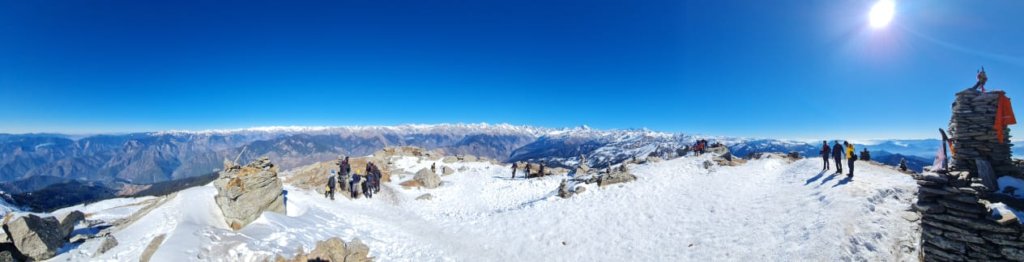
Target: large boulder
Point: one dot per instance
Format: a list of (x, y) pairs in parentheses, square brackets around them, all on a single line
[(427, 179), (37, 237), (244, 193)]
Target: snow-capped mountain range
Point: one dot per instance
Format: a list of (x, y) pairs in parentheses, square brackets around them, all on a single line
[(30, 162)]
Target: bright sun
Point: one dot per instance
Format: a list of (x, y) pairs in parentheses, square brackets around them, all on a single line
[(881, 14)]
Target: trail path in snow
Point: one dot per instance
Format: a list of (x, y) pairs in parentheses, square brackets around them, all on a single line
[(769, 209)]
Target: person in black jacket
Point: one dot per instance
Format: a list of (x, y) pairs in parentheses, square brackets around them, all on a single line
[(514, 170), (837, 155), (825, 150)]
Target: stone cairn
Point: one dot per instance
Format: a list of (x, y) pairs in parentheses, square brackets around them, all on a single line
[(973, 136), (956, 221)]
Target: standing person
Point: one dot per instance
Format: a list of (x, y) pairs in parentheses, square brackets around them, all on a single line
[(982, 78), (433, 168), (541, 172), (331, 184), (352, 186), (837, 155), (825, 150), (344, 170), (513, 170), (850, 157), (367, 190)]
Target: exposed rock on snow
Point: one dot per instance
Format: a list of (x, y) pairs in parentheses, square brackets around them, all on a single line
[(333, 249), (620, 175), (69, 220), (37, 237), (108, 243), (425, 197), (427, 179), (243, 193)]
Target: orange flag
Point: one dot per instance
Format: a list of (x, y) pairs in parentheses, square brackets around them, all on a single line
[(1004, 116)]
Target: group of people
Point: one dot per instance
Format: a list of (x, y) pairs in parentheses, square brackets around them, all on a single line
[(700, 147), (345, 180), (838, 152), (526, 169)]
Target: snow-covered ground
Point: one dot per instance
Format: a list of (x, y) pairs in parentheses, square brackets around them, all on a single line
[(770, 209)]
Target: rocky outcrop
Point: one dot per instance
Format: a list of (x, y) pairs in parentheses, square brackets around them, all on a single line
[(244, 193), (618, 175), (333, 249), (37, 237), (427, 179)]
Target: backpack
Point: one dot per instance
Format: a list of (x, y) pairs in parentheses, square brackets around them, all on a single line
[(853, 157)]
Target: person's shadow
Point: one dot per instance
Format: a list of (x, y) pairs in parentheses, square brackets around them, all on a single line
[(815, 178), (843, 181), (829, 178)]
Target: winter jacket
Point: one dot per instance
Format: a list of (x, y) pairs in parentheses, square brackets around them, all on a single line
[(331, 182), (837, 151), (825, 150), (849, 151)]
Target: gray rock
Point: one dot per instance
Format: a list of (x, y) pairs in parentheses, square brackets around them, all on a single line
[(563, 189), (6, 256), (427, 179), (425, 197), (37, 237), (448, 170), (109, 242), (332, 249), (357, 251), (1010, 252), (243, 194), (450, 159), (580, 189), (70, 220), (615, 178), (985, 172)]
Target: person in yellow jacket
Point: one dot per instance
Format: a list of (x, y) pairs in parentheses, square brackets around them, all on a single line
[(850, 157)]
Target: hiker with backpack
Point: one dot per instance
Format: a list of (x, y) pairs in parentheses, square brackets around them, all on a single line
[(331, 183), (851, 156), (837, 155), (825, 150)]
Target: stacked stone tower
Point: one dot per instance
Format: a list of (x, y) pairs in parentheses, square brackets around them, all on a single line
[(956, 207), (973, 136)]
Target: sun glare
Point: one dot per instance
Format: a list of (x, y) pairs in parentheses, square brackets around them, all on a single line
[(881, 14)]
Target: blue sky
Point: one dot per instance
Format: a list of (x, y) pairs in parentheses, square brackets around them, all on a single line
[(787, 69)]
